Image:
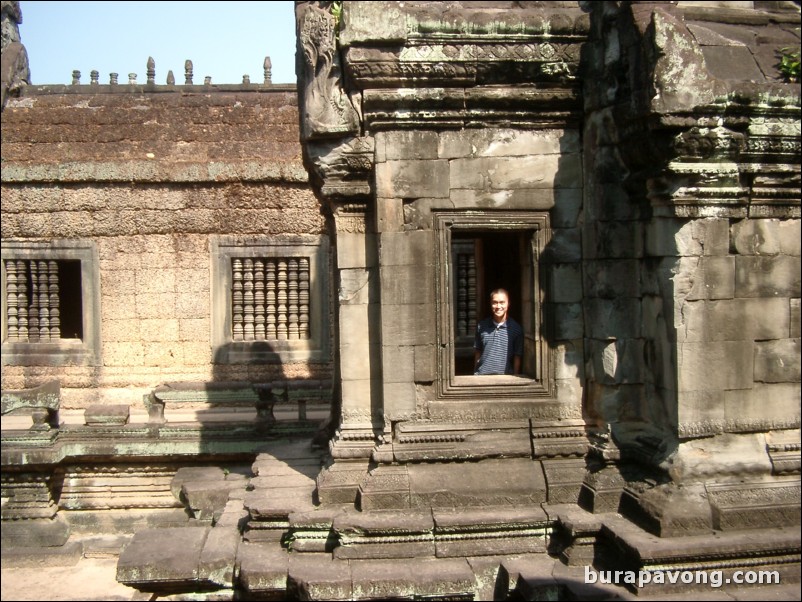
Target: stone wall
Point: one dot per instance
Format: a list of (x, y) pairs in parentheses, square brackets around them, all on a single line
[(692, 261), (149, 179)]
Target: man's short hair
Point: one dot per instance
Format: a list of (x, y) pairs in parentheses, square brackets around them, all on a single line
[(497, 291)]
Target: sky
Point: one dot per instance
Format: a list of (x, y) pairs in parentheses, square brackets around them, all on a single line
[(223, 39)]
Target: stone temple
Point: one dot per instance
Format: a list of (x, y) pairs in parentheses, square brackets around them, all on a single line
[(238, 319)]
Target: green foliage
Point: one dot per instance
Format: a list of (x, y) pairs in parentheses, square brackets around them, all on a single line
[(337, 13), (789, 64)]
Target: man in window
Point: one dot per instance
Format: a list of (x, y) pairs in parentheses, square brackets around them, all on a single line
[(499, 341)]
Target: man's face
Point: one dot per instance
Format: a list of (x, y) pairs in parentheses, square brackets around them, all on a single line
[(499, 304)]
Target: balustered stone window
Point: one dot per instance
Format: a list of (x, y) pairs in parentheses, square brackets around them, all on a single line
[(482, 252), (51, 303), (270, 299)]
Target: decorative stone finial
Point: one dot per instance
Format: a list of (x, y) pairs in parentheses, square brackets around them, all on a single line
[(170, 78), (207, 81), (132, 79), (188, 72), (151, 73), (113, 79), (76, 77), (246, 79), (268, 67), (94, 77)]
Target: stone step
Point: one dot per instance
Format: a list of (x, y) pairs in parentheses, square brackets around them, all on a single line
[(180, 560)]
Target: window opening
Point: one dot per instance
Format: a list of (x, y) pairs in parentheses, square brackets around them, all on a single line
[(270, 298), (44, 300), (485, 261)]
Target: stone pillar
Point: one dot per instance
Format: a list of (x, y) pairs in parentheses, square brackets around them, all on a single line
[(358, 353)]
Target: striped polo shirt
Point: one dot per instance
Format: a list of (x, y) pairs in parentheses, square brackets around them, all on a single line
[(499, 343)]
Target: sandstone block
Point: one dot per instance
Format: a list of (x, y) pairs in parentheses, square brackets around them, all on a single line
[(356, 250), (756, 237), (758, 276), (409, 145), (406, 284), (412, 179), (715, 365), (777, 361), (407, 248), (566, 283)]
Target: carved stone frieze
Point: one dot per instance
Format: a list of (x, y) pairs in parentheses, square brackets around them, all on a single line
[(107, 487), (746, 506), (431, 63), (501, 412), (711, 426)]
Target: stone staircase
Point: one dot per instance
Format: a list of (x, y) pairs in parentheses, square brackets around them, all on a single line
[(265, 538)]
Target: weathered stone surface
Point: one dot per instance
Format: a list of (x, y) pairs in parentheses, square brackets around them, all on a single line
[(318, 577), (487, 482), (158, 559), (758, 276), (103, 414), (427, 577), (263, 568), (674, 237), (412, 179), (777, 361), (218, 556), (36, 532), (715, 365)]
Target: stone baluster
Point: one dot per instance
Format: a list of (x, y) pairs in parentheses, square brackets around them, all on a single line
[(303, 298), (281, 300), (33, 302), (53, 301), (270, 300), (472, 294), (207, 81), (76, 77), (292, 299), (259, 299), (236, 299), (22, 299), (247, 300), (12, 301), (113, 79), (188, 72), (44, 301), (246, 80), (462, 294), (132, 79), (94, 77)]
